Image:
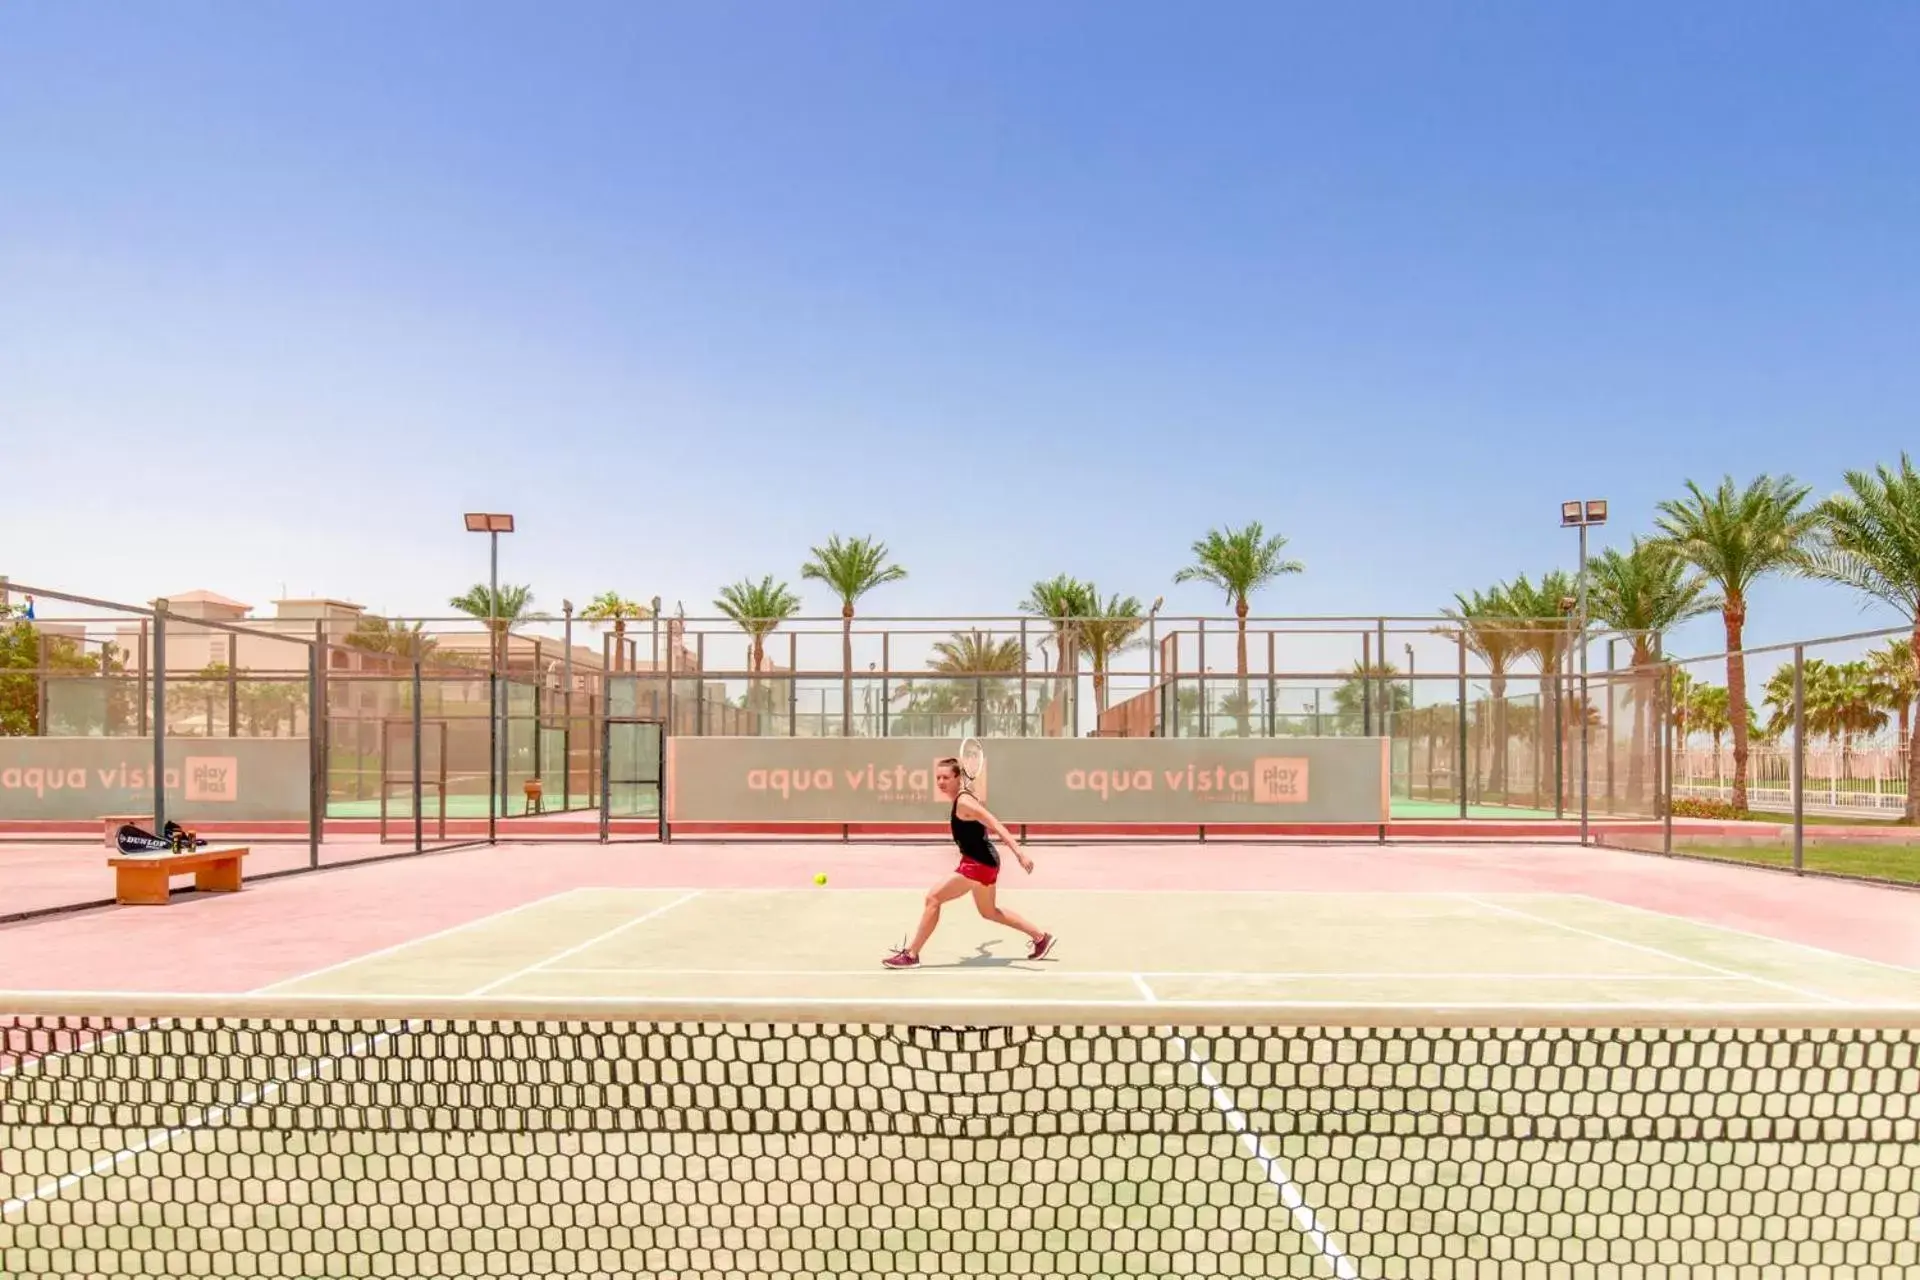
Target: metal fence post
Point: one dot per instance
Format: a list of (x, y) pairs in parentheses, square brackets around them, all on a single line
[(672, 644), (1613, 692), (1200, 666), (1799, 758), (1385, 700), (606, 775), (316, 772), (42, 674), (1023, 674), (1273, 686), (319, 730), (140, 698), (1663, 770), (419, 817), (493, 732), (159, 716), (233, 686), (1366, 684), (1461, 722)]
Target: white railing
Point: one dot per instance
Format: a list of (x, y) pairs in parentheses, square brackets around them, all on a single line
[(1865, 780)]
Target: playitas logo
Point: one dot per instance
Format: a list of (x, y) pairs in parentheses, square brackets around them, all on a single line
[(215, 778), (1278, 780)]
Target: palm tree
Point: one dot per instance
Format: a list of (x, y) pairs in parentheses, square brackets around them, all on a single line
[(1857, 708), (1486, 625), (1239, 562), (611, 606), (1736, 537), (1869, 539), (1895, 674), (389, 638), (1708, 713), (850, 568), (1062, 600), (1364, 686), (757, 608), (1645, 593), (1541, 620), (499, 611), (965, 659), (1109, 629)]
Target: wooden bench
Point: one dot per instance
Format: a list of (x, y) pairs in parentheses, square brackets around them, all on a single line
[(114, 822), (140, 879)]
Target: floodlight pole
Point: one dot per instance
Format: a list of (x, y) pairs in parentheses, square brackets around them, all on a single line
[(498, 769), (1583, 712), (1583, 515), (493, 524)]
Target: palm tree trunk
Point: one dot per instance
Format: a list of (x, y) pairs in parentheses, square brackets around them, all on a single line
[(1735, 614), (756, 656), (1240, 665), (619, 641), (846, 669), (1636, 764), (1497, 729)]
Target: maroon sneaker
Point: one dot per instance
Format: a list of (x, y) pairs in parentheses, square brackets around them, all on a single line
[(901, 960), (1042, 948)]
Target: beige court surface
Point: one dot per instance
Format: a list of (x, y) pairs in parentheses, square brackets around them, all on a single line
[(803, 1147), (1416, 950)]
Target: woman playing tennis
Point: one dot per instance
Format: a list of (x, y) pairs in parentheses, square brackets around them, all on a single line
[(979, 869)]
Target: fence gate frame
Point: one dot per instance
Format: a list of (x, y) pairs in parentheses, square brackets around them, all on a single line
[(414, 779), (658, 781)]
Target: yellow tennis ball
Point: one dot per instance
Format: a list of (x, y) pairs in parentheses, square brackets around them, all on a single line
[(821, 878)]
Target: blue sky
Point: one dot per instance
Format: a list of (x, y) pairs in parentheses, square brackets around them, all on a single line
[(1019, 289)]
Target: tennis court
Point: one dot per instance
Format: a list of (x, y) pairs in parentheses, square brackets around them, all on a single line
[(822, 945), (1369, 1063)]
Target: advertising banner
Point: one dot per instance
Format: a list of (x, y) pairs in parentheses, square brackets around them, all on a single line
[(208, 779), (1078, 780)]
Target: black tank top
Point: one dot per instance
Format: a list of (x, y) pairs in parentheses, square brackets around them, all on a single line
[(971, 836)]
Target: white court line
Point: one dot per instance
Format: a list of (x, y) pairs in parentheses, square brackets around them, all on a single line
[(1652, 951), (1276, 1172), (252, 1097), (1019, 966), (1146, 992), (447, 932), (578, 947), (1748, 933)]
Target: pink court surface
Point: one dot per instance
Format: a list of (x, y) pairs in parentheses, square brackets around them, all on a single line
[(1408, 927)]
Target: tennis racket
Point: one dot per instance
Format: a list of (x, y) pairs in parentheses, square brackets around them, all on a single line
[(973, 765)]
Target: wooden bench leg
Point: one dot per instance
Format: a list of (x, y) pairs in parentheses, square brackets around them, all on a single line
[(221, 877), (141, 887)]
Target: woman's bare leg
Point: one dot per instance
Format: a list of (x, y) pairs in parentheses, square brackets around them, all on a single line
[(930, 912), (986, 902)]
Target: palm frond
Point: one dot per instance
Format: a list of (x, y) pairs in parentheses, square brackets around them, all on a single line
[(851, 567)]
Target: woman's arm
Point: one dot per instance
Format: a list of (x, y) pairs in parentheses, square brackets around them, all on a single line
[(972, 808)]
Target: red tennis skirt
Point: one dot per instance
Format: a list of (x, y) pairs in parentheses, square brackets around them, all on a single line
[(978, 872)]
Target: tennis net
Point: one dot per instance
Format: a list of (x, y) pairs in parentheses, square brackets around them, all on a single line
[(288, 1137)]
